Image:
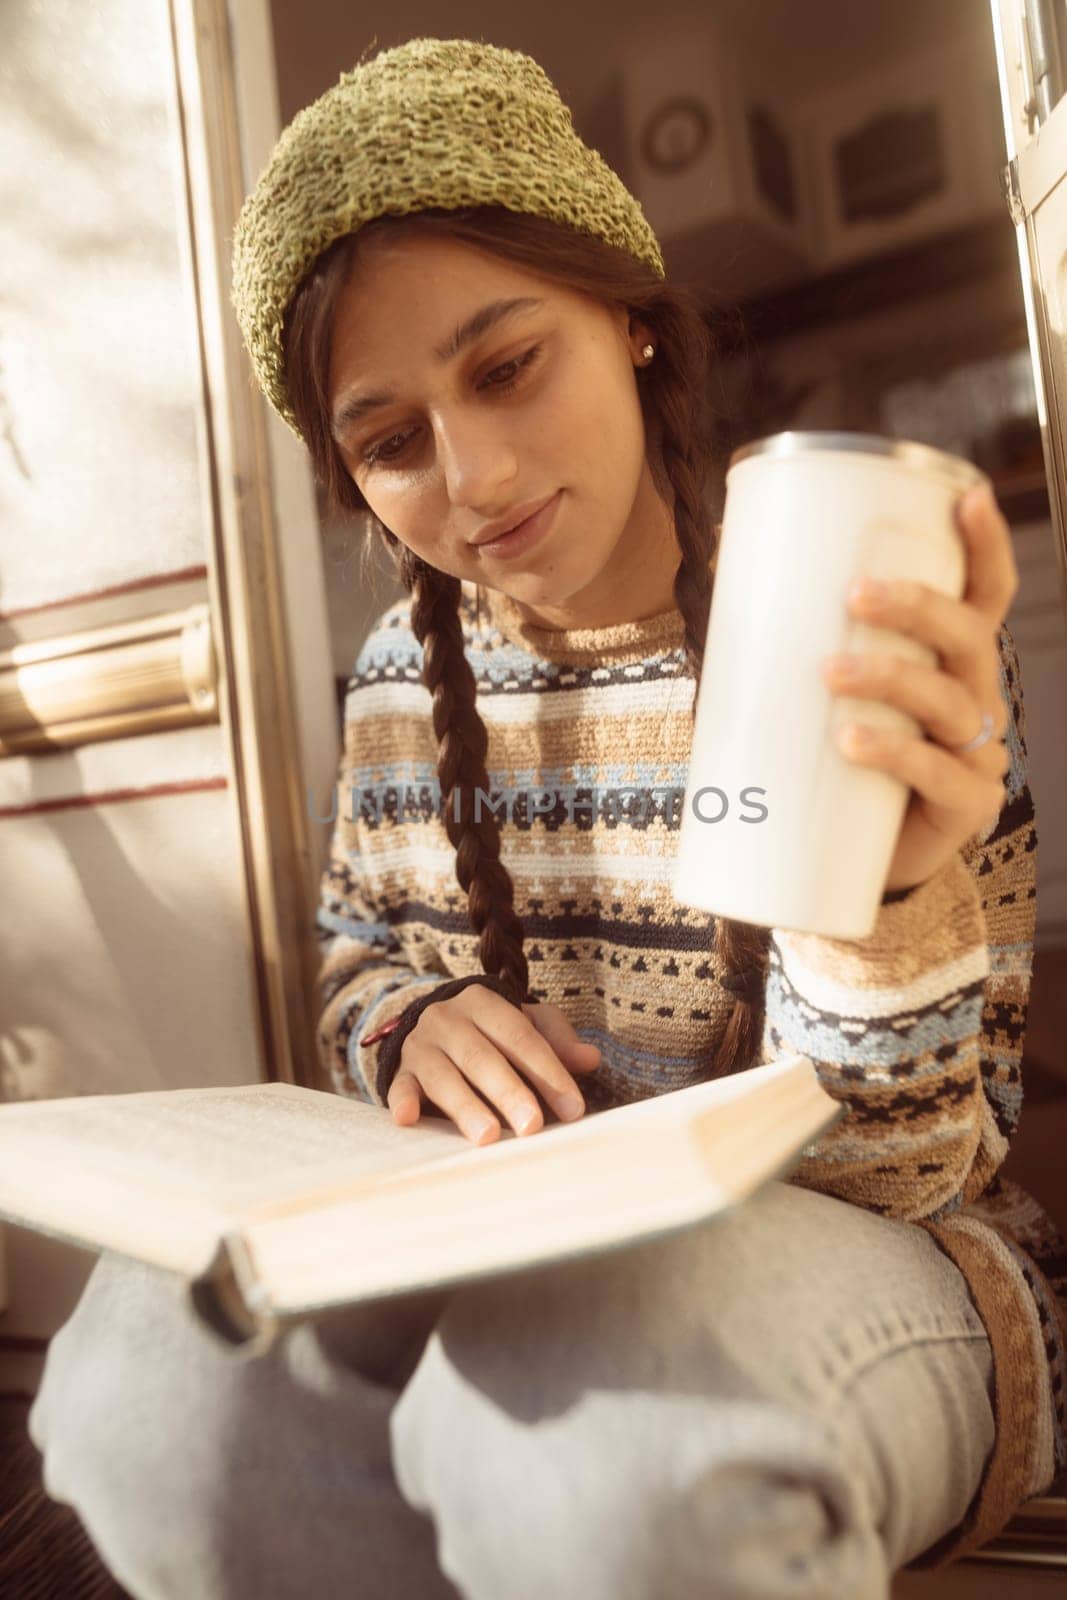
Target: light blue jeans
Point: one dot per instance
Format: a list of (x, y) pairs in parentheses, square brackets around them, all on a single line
[(794, 1399)]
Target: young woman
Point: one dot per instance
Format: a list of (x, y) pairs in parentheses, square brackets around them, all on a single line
[(463, 313)]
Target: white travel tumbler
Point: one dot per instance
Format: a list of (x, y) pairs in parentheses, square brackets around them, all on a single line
[(780, 827)]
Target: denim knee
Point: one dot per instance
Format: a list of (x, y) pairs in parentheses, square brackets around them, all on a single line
[(633, 1496), (122, 1437), (199, 1473), (784, 1361)]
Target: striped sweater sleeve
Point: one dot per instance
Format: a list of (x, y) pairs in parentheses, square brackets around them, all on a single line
[(919, 1027), (363, 980), (364, 976)]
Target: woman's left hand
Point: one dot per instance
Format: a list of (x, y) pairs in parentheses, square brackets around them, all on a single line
[(954, 795)]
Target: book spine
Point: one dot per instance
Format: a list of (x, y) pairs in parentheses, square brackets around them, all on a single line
[(228, 1300)]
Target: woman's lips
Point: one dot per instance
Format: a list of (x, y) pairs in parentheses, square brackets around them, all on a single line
[(523, 537)]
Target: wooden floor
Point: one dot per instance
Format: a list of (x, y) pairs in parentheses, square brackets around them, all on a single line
[(966, 1580), (45, 1553)]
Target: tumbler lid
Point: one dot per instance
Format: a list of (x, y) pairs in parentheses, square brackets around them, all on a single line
[(924, 457)]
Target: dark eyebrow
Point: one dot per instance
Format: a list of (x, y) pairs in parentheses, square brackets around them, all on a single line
[(479, 323)]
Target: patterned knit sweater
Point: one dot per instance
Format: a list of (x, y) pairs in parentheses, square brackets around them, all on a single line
[(918, 1027)]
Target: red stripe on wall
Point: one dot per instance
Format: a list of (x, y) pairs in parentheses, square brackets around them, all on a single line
[(185, 575), (109, 797)]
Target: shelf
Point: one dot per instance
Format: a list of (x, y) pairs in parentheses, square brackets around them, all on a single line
[(1022, 496), (929, 267)]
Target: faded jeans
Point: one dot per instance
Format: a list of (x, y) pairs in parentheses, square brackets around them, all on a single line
[(793, 1399)]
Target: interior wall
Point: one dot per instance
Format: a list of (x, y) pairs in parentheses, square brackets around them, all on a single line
[(798, 46)]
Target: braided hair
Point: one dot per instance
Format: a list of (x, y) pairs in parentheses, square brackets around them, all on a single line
[(679, 428)]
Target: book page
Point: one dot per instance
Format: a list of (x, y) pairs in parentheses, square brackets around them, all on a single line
[(162, 1175), (159, 1173), (631, 1172)]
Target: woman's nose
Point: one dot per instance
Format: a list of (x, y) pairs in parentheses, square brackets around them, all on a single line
[(478, 463)]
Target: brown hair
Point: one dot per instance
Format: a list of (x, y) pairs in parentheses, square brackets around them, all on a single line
[(679, 428)]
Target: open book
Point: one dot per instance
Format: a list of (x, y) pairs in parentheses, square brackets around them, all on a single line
[(275, 1203)]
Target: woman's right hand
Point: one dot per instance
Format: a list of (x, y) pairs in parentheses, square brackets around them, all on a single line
[(479, 1039)]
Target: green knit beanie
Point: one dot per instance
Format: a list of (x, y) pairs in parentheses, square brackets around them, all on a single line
[(434, 122)]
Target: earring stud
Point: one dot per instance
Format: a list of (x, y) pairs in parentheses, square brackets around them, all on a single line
[(648, 351)]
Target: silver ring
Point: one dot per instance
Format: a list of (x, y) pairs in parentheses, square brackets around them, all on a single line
[(979, 739)]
